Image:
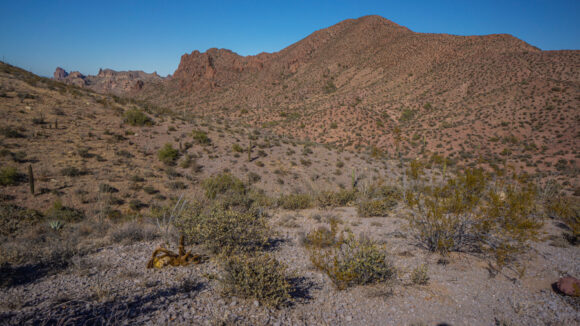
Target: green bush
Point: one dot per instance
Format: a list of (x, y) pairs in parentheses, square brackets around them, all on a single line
[(222, 183), (63, 213), (295, 201), (167, 154), (201, 137), (136, 117), (260, 277), (9, 176), (353, 262)]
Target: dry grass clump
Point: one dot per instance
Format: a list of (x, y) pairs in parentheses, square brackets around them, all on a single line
[(420, 275), (350, 262), (133, 232), (261, 277)]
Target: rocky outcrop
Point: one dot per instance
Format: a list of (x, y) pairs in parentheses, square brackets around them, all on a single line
[(60, 74), (215, 68), (109, 81)]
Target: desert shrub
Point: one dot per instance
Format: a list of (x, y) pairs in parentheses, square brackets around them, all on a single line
[(11, 132), (471, 214), (15, 219), (201, 137), (443, 232), (375, 207), (322, 237), (167, 154), (295, 201), (136, 117), (71, 171), (407, 115), (353, 262), (336, 198), (253, 177), (420, 275), (107, 188), (222, 183), (260, 277), (237, 148), (9, 176), (224, 230), (60, 212), (150, 190)]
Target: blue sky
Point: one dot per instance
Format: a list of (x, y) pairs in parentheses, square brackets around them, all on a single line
[(152, 35)]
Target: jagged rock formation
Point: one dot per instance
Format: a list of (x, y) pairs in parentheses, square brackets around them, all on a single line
[(109, 81)]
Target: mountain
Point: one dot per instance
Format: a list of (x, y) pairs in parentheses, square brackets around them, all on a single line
[(107, 80), (370, 83)]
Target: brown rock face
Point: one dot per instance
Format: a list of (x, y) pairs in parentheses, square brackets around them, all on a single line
[(214, 68), (569, 286), (60, 74)]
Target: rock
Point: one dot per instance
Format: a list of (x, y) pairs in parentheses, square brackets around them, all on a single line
[(60, 74), (256, 303), (569, 286)]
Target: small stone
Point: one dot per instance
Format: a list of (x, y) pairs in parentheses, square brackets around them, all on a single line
[(256, 303), (348, 318), (569, 286)]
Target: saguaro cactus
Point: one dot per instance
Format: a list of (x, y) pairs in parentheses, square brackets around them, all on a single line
[(31, 179)]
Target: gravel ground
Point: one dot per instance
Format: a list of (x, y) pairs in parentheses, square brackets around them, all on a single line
[(112, 286)]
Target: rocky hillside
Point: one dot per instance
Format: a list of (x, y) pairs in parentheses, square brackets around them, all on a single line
[(370, 84)]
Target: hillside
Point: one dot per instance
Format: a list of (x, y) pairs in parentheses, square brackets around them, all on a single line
[(370, 84)]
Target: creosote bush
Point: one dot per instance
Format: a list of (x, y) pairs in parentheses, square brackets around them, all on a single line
[(167, 154), (260, 277), (473, 213)]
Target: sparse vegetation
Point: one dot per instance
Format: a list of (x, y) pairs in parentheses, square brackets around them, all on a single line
[(168, 155), (136, 117), (256, 276)]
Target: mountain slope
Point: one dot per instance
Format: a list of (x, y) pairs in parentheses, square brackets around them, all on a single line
[(370, 82)]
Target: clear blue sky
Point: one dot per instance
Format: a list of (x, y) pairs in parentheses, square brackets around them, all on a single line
[(152, 35)]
